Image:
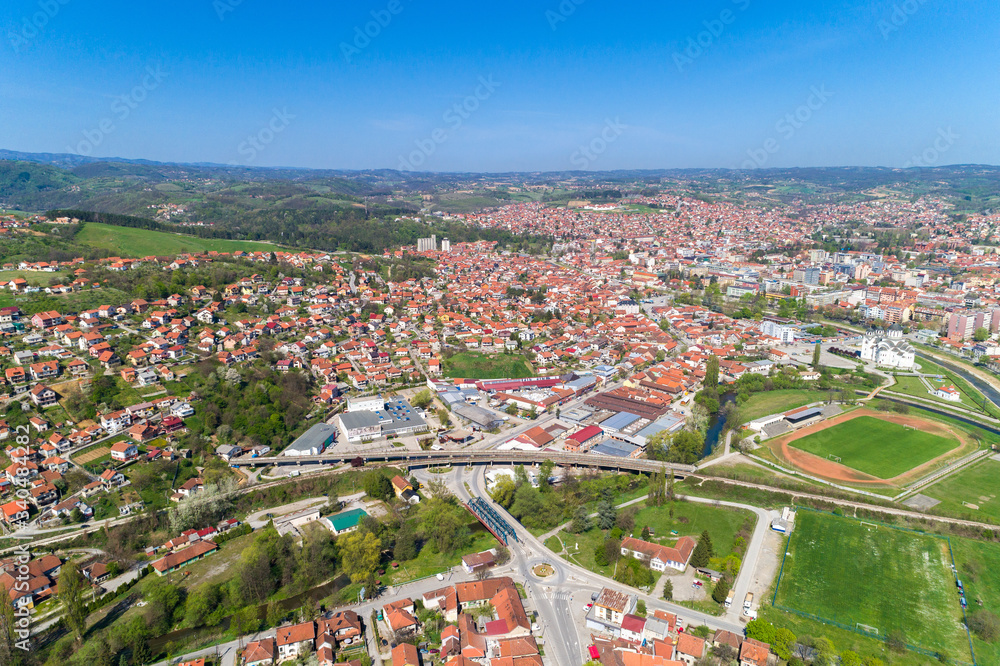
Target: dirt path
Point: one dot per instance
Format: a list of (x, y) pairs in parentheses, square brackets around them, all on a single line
[(834, 471)]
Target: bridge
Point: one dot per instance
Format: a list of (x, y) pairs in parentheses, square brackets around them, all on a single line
[(478, 457), (491, 520)]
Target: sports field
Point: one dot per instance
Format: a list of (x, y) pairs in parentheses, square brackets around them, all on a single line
[(890, 580), (973, 490), (875, 446)]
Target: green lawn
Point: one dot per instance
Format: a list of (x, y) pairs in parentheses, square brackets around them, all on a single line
[(428, 562), (37, 278), (850, 572), (133, 242), (73, 302), (475, 365), (772, 402), (983, 584), (690, 519), (972, 485), (970, 394), (873, 446), (913, 386)]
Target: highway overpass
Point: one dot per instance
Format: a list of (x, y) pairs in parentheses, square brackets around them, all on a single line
[(469, 457)]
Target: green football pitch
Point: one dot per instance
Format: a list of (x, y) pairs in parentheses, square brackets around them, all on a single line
[(876, 578), (873, 446)]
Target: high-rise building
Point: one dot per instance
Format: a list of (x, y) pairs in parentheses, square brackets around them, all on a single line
[(427, 244), (807, 275), (962, 325), (445, 245)]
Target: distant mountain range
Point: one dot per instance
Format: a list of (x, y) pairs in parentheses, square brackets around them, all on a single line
[(287, 205)]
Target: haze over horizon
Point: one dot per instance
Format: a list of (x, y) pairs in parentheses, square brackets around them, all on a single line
[(557, 86)]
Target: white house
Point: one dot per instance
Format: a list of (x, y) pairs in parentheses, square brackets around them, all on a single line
[(949, 393), (657, 556)]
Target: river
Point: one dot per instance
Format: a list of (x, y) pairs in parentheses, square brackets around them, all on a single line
[(716, 424), (983, 387)]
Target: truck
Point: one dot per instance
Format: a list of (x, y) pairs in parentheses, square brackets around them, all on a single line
[(729, 599), (748, 602)]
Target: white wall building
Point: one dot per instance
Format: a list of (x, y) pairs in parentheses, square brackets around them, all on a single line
[(888, 348)]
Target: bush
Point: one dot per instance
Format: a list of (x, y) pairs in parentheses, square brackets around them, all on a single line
[(896, 641), (985, 625)]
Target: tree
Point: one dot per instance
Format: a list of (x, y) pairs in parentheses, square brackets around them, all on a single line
[(702, 552), (656, 489), (10, 651), (200, 603), (443, 523), (422, 399), (644, 535), (668, 590), (626, 520), (205, 507), (274, 614), (600, 556), (816, 352), (407, 546), (520, 476), (141, 654), (71, 589), (606, 514), (640, 608), (712, 373), (760, 630), (980, 335), (544, 472), (581, 521), (783, 641), (360, 553), (443, 417), (657, 445), (503, 491), (721, 590), (985, 625), (378, 486), (725, 653)]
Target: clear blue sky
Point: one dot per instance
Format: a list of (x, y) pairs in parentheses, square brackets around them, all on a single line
[(899, 82)]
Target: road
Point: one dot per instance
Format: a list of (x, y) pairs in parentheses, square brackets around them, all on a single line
[(565, 593), (450, 457)]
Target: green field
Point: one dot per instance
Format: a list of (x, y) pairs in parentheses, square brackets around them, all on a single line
[(972, 485), (913, 386), (970, 395), (133, 242), (75, 302), (979, 568), (474, 365), (850, 572), (766, 403), (36, 278), (876, 447)]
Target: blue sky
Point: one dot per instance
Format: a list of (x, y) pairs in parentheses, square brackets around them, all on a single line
[(550, 85)]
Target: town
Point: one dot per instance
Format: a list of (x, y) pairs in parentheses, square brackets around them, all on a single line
[(609, 451)]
